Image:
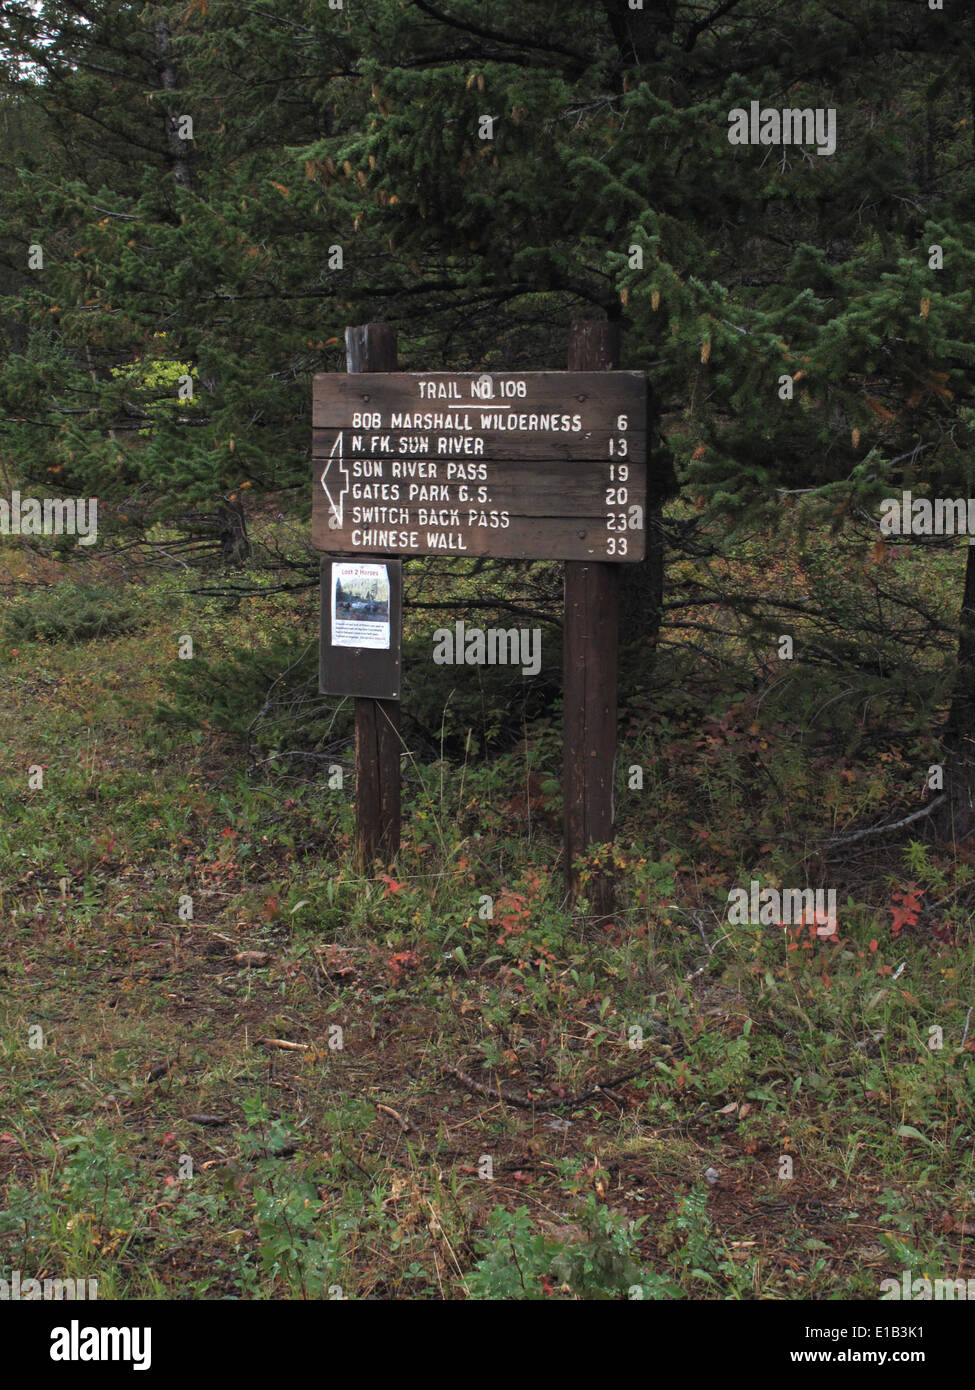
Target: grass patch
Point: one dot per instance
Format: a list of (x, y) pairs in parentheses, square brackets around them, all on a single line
[(233, 1065)]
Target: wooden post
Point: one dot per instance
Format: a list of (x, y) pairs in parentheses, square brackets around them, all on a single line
[(591, 663), (371, 347)]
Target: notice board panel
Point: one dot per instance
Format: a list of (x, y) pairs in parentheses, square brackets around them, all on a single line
[(361, 626)]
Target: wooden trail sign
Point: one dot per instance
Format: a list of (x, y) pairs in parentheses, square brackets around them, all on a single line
[(519, 465), (529, 465)]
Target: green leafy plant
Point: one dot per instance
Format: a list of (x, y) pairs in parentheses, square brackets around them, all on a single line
[(519, 1261)]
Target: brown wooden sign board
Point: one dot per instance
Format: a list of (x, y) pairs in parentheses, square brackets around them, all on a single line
[(361, 627), (520, 465)]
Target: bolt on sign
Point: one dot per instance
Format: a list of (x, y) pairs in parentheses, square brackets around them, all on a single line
[(529, 465)]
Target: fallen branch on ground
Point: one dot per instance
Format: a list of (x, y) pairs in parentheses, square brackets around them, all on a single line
[(881, 829), (481, 1088)]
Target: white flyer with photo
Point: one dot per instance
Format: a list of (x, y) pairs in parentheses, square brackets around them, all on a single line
[(360, 605)]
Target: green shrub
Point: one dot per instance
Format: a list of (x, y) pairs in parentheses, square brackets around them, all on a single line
[(517, 1261), (74, 613)]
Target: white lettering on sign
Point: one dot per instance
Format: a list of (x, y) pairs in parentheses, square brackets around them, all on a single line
[(525, 424), (482, 389), (382, 516), (407, 468), (404, 421), (439, 540), (422, 492), (439, 390), (547, 464), (389, 540), (447, 444), (375, 492)]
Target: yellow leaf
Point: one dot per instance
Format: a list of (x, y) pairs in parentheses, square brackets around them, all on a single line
[(281, 188), (925, 308), (855, 436), (655, 301), (624, 297), (706, 350)]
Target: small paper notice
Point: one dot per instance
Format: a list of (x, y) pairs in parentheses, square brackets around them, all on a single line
[(360, 606)]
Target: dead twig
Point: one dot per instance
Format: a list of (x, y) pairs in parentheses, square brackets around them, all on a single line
[(882, 829), (404, 1125), (520, 1102)]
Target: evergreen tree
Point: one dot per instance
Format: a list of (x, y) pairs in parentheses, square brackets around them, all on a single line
[(479, 177)]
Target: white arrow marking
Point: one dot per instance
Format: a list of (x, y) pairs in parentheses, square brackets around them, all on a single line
[(335, 505)]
